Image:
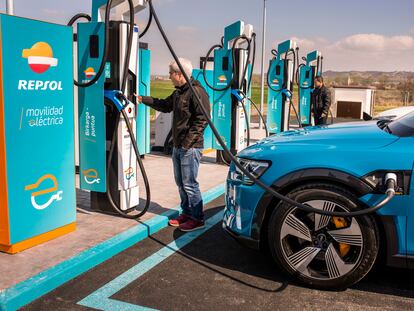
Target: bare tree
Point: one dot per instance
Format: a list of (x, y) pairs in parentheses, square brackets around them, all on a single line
[(406, 89)]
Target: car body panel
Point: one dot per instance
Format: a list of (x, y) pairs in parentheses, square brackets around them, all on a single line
[(356, 148), (395, 112)]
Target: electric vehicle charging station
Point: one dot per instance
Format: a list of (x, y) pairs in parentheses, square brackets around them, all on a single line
[(231, 75), (280, 78), (37, 192), (307, 73), (108, 164), (107, 96)]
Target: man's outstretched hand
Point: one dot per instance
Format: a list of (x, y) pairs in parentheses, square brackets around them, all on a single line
[(139, 98)]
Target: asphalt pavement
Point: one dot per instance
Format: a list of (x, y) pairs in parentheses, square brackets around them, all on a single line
[(208, 270)]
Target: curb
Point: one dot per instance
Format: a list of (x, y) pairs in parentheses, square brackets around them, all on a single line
[(25, 292)]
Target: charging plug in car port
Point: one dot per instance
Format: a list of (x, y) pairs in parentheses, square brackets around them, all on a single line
[(381, 181), (391, 182)]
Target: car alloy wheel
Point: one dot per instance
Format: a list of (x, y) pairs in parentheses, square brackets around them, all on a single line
[(322, 251), (320, 246)]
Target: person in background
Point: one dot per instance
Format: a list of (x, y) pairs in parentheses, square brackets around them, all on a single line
[(321, 99)]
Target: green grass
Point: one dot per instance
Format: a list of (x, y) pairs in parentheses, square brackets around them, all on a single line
[(164, 88), (256, 94), (161, 89)]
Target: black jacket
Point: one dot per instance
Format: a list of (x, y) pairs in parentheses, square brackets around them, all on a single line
[(321, 100), (188, 120)]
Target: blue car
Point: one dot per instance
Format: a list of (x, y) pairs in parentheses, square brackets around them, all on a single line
[(340, 167)]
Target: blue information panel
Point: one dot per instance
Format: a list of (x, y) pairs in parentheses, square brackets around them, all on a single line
[(198, 75), (275, 96), (305, 93), (143, 116), (37, 131), (223, 64), (92, 135)]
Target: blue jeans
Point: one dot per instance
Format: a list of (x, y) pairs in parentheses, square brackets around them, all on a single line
[(186, 163)]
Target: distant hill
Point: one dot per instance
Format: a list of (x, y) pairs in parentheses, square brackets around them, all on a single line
[(378, 79), (373, 74)]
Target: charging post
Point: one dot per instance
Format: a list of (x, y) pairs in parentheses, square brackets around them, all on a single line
[(280, 78), (228, 83), (101, 127), (307, 74)]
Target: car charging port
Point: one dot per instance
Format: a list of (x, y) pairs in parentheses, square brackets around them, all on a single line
[(378, 181)]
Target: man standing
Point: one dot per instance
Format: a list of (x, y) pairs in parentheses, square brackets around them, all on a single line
[(187, 131), (321, 99)]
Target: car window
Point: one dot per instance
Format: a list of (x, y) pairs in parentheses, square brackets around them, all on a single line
[(402, 127)]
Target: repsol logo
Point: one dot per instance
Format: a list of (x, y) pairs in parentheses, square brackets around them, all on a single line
[(38, 85)]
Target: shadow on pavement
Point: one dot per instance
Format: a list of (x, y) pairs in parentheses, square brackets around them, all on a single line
[(219, 253), (388, 281)]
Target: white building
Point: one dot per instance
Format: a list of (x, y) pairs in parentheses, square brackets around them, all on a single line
[(352, 101)]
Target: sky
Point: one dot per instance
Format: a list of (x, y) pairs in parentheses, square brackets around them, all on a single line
[(352, 35)]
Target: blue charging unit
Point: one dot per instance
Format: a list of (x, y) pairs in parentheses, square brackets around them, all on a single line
[(98, 126), (307, 74), (226, 77), (222, 100), (280, 88), (91, 111)]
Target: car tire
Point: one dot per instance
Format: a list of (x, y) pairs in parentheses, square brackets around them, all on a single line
[(334, 253)]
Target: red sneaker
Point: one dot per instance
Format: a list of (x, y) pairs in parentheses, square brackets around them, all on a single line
[(179, 220), (191, 225)]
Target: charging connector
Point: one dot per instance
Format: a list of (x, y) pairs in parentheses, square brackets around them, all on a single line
[(391, 183)]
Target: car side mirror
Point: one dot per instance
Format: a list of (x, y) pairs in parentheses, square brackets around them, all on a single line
[(366, 116)]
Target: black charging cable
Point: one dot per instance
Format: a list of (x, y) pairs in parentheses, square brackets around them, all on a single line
[(239, 87), (391, 181), (147, 26), (125, 101), (106, 45), (269, 71), (258, 111), (79, 16), (123, 213)]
